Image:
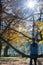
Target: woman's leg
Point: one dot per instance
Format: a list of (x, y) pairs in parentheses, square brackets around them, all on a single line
[(31, 61), (35, 61)]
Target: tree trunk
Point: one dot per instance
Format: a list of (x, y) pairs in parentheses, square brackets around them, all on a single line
[(0, 48), (6, 51)]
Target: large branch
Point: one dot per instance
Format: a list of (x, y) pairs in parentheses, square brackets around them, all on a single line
[(15, 49)]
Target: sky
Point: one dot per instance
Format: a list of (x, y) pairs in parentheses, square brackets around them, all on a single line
[(19, 7)]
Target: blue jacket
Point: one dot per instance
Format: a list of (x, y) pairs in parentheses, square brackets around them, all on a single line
[(34, 49)]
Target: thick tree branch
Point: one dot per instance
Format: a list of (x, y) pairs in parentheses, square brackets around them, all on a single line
[(15, 49)]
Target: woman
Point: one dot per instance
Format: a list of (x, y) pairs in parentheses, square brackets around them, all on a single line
[(33, 52)]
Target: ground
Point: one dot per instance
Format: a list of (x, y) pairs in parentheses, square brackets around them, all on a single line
[(18, 61)]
